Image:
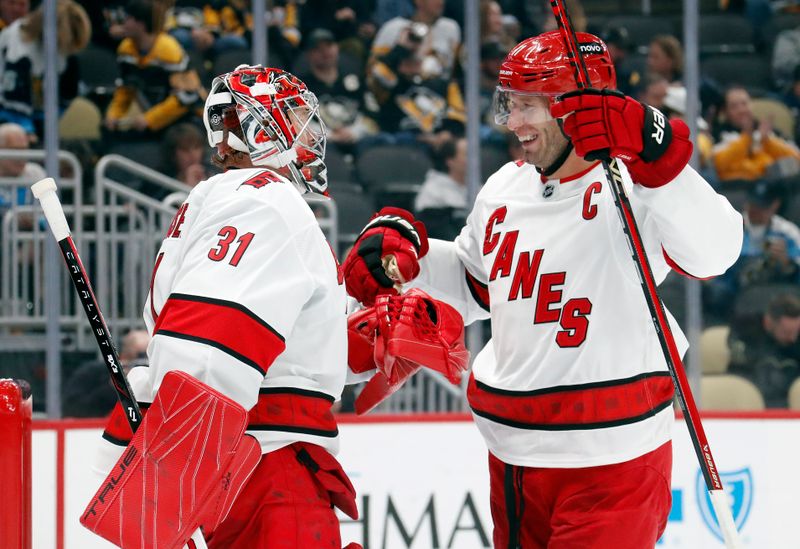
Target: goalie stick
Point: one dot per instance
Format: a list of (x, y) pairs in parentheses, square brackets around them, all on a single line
[(665, 337), (45, 192)]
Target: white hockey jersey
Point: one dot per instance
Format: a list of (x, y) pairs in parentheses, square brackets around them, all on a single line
[(574, 375), (246, 296)]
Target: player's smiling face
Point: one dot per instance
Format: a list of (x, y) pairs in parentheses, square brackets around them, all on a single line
[(541, 138)]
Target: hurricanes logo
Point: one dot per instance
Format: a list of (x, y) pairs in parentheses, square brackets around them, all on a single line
[(216, 120)]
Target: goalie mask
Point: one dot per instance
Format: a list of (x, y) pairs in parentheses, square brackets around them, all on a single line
[(540, 66), (270, 115)]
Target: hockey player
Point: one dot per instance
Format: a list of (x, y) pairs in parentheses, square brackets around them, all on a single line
[(572, 394), (246, 298)]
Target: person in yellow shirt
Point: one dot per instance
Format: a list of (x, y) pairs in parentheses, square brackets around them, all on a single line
[(747, 147), (197, 25), (155, 76)]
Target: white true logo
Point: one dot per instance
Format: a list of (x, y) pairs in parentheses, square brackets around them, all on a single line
[(659, 122)]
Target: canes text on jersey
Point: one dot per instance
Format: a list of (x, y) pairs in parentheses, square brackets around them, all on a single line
[(572, 316)]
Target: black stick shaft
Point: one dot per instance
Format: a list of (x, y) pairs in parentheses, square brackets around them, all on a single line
[(102, 335)]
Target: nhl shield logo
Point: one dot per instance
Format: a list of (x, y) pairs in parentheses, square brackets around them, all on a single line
[(739, 489)]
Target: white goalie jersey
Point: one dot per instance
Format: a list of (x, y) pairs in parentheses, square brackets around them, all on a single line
[(574, 375), (247, 297)]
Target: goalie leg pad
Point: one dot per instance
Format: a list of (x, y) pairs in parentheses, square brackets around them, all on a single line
[(183, 469)]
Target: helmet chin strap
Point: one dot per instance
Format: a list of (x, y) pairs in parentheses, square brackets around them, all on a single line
[(553, 168)]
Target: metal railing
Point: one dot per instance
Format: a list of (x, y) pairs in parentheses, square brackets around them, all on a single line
[(129, 229), (22, 236), (425, 391)]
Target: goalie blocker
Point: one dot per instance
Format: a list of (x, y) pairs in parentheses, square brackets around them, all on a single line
[(183, 469)]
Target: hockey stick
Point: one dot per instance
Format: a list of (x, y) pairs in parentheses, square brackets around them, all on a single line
[(665, 337), (45, 192)]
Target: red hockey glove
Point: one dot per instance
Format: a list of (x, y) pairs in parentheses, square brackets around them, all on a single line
[(386, 254), (606, 123), (186, 464), (420, 329), (413, 330)]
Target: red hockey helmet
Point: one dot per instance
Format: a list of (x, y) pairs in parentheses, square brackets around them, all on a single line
[(541, 66), (271, 115)]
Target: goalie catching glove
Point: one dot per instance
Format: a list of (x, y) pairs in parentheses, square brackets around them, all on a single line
[(605, 123), (385, 255), (186, 464), (400, 335)]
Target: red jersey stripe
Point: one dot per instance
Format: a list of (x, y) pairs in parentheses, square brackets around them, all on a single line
[(677, 268), (574, 407), (479, 290), (225, 325), (288, 409)]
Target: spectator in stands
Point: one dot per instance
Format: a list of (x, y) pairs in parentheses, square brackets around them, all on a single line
[(197, 26), (785, 56), (22, 63), (770, 250), (87, 392), (107, 17), (433, 38), (283, 19), (792, 100), (155, 76), (184, 148), (619, 48), (348, 20), (413, 109), (665, 57), (11, 10), (441, 202), (525, 16), (13, 136), (576, 13), (769, 354), (492, 56), (339, 88), (748, 148), (654, 90), (771, 246), (493, 27), (385, 10)]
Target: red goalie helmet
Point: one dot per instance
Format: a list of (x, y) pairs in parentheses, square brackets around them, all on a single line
[(271, 115), (540, 66)]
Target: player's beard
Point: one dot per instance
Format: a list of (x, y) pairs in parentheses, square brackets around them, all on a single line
[(552, 143)]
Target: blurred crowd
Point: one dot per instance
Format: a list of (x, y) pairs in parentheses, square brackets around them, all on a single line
[(389, 75)]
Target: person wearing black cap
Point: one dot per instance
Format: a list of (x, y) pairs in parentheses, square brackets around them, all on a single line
[(629, 79), (339, 87), (770, 249), (771, 243), (766, 348)]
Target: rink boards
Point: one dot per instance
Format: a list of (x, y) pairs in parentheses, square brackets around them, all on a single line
[(423, 484)]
